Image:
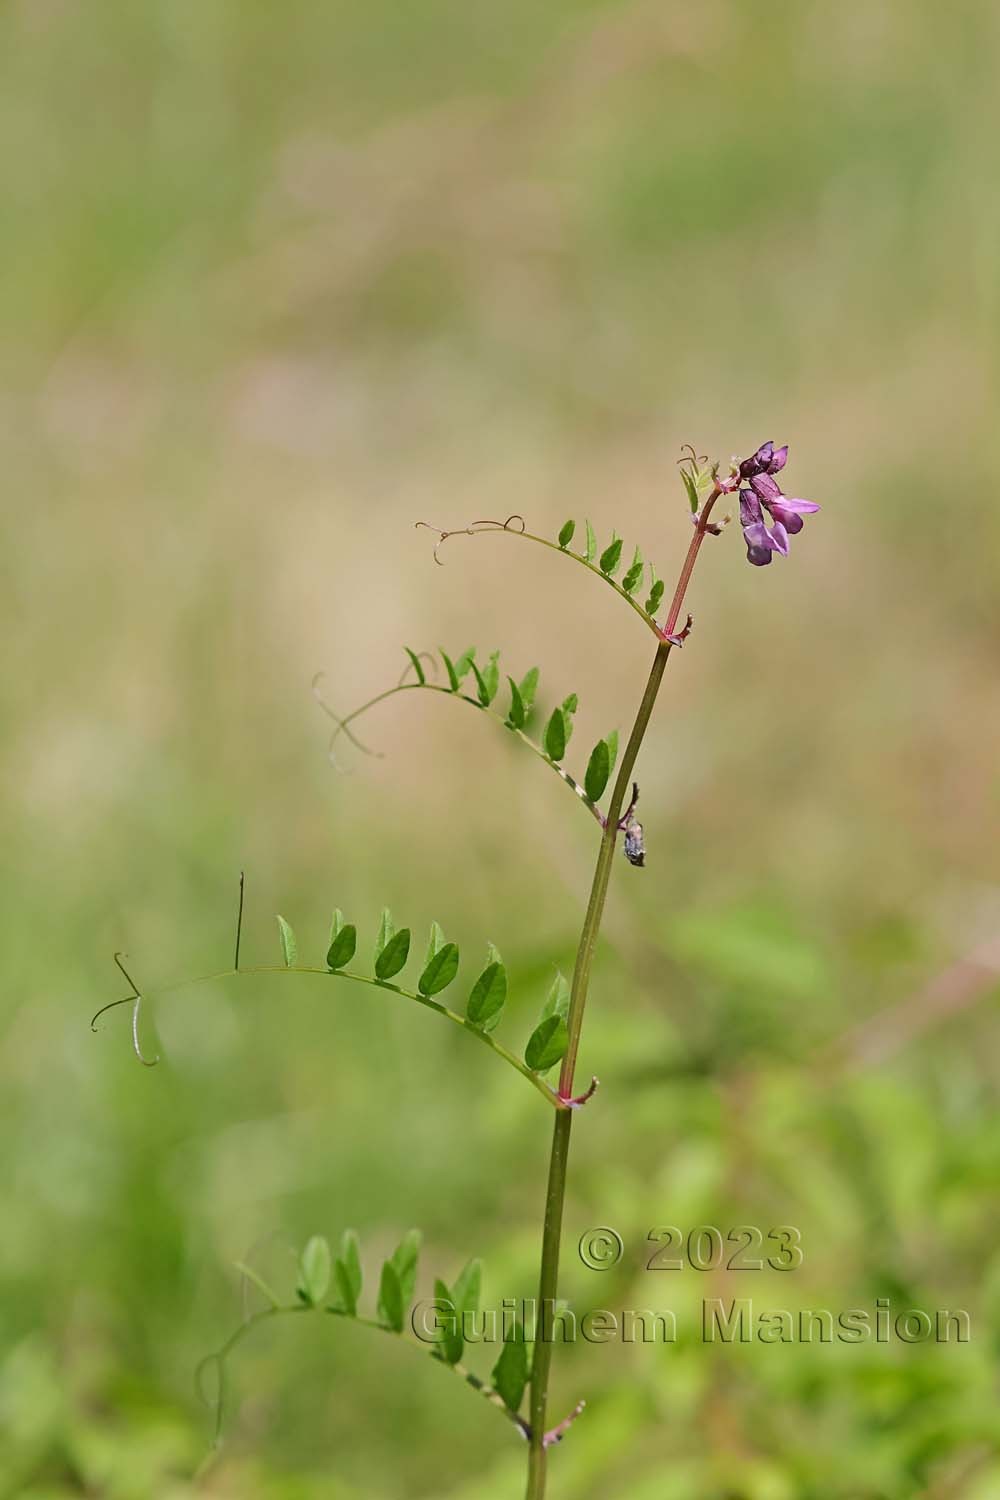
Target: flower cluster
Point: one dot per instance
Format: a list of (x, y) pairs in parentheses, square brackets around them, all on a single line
[(786, 514)]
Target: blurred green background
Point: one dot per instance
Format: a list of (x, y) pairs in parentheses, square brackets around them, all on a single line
[(280, 281)]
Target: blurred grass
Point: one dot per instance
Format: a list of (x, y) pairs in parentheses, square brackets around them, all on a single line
[(280, 282)]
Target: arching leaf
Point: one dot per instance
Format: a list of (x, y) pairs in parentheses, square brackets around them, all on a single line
[(289, 947), (547, 1044), (439, 971), (567, 533), (612, 743)]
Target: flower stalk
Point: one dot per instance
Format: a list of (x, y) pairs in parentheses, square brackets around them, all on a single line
[(555, 1195)]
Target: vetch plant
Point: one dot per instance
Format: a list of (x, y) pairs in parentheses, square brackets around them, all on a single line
[(332, 1283)]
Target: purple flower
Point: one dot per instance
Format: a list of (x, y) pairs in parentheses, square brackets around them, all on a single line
[(760, 538), (786, 513)]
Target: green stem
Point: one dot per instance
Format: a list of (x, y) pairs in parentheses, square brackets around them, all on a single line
[(555, 1195)]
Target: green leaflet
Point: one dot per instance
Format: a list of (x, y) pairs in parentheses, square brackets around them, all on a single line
[(518, 715), (556, 735), (510, 1373), (439, 970), (289, 947), (567, 533), (528, 687), (491, 676), (488, 996), (389, 1308), (655, 597), (343, 942), (417, 666), (393, 956), (435, 941), (633, 577), (598, 771), (547, 1044), (611, 557), (454, 681), (468, 1285), (451, 1340), (557, 1000), (464, 663), (404, 1260), (314, 1271), (591, 551), (347, 1271), (612, 744)]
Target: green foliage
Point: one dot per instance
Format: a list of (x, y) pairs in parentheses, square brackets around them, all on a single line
[(567, 533), (557, 1000), (451, 1341), (556, 735), (439, 970), (404, 1260), (314, 1271), (598, 771), (347, 1272), (488, 996), (510, 1373), (655, 596), (289, 947), (547, 1044), (392, 958), (343, 942), (417, 665), (389, 1310), (517, 718), (454, 681), (611, 557), (463, 665), (528, 688), (633, 577), (590, 551)]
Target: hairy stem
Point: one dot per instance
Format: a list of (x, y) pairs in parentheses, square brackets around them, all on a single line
[(555, 1195)]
